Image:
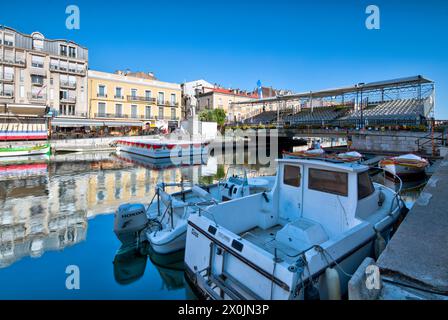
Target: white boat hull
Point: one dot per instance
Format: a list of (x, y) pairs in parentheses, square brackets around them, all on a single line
[(403, 171), (24, 153), (168, 243)]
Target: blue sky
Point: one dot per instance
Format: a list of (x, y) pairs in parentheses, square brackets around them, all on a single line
[(299, 45)]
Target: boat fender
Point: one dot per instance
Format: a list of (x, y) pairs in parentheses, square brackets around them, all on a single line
[(311, 292), (380, 245), (265, 196), (333, 284), (231, 190), (381, 198)]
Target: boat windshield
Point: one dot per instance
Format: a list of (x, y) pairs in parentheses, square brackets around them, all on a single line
[(365, 185)]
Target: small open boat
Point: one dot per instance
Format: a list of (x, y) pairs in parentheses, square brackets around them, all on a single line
[(19, 151), (301, 240), (164, 222), (406, 166), (351, 156)]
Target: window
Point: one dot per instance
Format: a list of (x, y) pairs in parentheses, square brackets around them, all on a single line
[(292, 176), (37, 61), (72, 67), (365, 185), (161, 98), (8, 55), (101, 91), (72, 81), (72, 52), (63, 65), (173, 99), (8, 73), (22, 91), (54, 64), (63, 95), (9, 40), (173, 113), (133, 111), (328, 181), (101, 109), (80, 68), (20, 57), (118, 110), (133, 93), (148, 95), (8, 90), (51, 94), (63, 50), (148, 112), (118, 93), (22, 75), (35, 79), (38, 41), (160, 112)]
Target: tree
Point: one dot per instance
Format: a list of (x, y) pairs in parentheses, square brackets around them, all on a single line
[(215, 115)]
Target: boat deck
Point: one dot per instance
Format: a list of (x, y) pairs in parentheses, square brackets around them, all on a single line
[(265, 239)]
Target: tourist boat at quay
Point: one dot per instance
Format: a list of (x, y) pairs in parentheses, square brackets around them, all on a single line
[(408, 166), (20, 151), (164, 222), (301, 240), (159, 149)]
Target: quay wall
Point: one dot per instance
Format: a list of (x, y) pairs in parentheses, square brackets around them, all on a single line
[(389, 141)]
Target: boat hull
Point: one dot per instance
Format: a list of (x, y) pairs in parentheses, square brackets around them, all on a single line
[(168, 243), (404, 172), (16, 152), (162, 150)]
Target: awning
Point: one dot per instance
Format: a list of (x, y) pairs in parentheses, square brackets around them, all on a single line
[(82, 122), (26, 109)]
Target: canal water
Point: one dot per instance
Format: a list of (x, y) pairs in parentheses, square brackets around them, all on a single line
[(56, 213)]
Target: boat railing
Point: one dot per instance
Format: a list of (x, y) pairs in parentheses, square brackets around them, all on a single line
[(397, 196)]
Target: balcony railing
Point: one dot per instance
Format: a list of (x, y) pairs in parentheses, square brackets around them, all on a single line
[(170, 118), (68, 99), (119, 96), (37, 96), (167, 103), (68, 84), (141, 98), (63, 69), (7, 94), (101, 95), (12, 61), (111, 115)]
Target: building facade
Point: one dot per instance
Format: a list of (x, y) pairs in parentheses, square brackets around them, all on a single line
[(220, 98), (121, 95), (36, 73)]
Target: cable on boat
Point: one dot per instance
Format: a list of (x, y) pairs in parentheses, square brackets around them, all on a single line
[(323, 252)]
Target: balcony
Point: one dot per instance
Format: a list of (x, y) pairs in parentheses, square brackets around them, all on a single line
[(67, 84), (101, 95), (38, 71), (38, 97), (120, 97), (141, 98)]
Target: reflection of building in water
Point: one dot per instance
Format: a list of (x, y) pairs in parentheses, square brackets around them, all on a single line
[(48, 209)]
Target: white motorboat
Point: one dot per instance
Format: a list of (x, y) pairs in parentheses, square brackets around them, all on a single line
[(301, 240), (406, 166), (159, 149), (164, 222)]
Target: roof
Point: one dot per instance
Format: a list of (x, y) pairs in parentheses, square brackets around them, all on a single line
[(3, 27), (229, 91), (365, 87), (342, 166)]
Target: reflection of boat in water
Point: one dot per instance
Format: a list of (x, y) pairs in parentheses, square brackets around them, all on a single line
[(22, 170), (170, 267), (129, 264), (158, 164), (407, 167), (20, 151), (164, 222)]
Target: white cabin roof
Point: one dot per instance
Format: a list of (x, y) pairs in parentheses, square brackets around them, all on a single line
[(340, 166)]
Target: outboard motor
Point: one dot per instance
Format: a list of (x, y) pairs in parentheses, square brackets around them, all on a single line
[(130, 220)]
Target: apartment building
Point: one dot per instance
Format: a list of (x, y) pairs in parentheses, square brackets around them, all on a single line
[(133, 96), (36, 73)]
